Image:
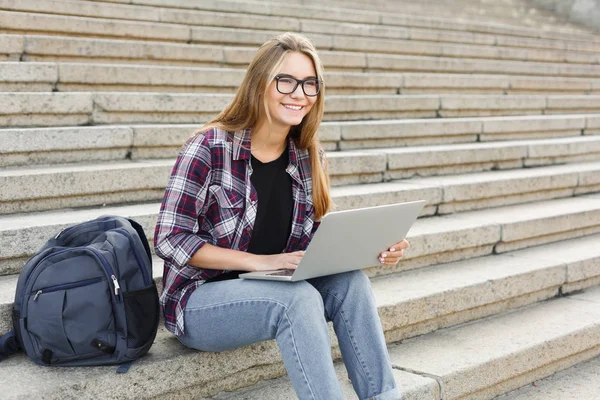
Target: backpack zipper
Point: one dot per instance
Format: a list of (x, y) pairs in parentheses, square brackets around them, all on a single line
[(109, 270), (55, 288)]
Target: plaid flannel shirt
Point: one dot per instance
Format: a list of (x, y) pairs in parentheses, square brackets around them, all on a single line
[(209, 199)]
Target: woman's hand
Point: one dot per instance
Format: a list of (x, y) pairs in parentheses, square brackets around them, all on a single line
[(392, 256), (277, 261)]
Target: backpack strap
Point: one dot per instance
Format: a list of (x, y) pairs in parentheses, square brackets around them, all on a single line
[(9, 345), (123, 368), (140, 230)]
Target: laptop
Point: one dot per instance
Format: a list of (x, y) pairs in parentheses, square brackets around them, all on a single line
[(349, 240)]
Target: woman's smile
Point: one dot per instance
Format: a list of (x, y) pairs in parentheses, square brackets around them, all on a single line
[(293, 107)]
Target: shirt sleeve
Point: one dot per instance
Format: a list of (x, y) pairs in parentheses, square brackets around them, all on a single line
[(176, 236)]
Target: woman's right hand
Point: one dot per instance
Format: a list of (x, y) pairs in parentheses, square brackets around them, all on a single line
[(277, 261)]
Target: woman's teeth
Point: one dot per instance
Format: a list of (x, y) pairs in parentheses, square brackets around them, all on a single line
[(297, 108)]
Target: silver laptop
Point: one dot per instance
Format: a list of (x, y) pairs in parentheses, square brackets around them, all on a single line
[(349, 240)]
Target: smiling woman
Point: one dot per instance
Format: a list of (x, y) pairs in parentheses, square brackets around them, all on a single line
[(247, 193)]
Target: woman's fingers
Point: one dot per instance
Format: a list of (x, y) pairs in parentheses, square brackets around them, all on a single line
[(387, 255), (393, 254), (389, 261)]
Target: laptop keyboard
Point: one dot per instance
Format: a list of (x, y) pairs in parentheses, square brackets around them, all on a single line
[(283, 272)]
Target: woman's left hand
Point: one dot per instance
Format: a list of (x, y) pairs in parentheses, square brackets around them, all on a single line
[(392, 256)]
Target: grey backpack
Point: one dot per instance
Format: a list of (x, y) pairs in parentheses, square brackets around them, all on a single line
[(87, 297)]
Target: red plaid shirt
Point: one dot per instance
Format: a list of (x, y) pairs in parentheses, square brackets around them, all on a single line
[(209, 199)]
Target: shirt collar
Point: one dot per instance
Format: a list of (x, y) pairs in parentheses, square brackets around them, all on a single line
[(241, 145)]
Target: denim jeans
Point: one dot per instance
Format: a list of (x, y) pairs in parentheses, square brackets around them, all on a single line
[(228, 314)]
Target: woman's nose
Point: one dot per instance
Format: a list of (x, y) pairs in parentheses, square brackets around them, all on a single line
[(298, 93)]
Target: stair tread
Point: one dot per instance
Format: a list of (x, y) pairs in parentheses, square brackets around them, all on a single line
[(575, 383)]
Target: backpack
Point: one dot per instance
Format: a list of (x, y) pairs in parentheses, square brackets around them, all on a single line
[(87, 297)]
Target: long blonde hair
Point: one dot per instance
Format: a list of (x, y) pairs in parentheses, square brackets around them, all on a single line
[(245, 109)]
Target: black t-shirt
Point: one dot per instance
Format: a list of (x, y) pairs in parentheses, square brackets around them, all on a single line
[(275, 205), (273, 223)]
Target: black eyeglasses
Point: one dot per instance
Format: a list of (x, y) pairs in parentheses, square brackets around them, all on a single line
[(287, 84)]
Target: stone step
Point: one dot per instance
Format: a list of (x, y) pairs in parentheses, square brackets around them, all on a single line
[(30, 189), (71, 77), (399, 133), (517, 13), (520, 347), (41, 23), (29, 146), (434, 240), (448, 159), (342, 14), (575, 383), (410, 303), (64, 109), (97, 50), (231, 19), (509, 12), (490, 357), (412, 387)]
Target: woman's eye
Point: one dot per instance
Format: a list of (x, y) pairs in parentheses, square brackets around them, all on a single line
[(286, 81), (311, 83)]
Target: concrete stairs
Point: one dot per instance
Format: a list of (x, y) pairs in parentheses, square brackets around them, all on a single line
[(507, 11), (577, 382), (496, 126)]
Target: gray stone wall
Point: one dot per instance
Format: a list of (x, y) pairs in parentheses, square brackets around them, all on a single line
[(586, 12)]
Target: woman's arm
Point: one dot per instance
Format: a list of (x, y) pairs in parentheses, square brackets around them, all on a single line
[(213, 257)]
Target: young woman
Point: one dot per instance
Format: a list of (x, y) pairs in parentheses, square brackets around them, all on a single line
[(246, 194)]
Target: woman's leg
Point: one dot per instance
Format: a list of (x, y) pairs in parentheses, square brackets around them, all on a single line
[(350, 304), (233, 313)]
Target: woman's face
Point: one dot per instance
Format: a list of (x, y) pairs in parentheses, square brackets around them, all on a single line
[(288, 109)]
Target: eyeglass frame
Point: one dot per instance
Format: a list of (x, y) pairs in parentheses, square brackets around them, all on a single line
[(298, 82)]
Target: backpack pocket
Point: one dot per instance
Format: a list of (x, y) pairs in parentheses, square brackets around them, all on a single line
[(141, 313), (46, 324), (72, 320)]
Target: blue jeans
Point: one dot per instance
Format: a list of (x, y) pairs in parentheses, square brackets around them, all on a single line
[(228, 314)]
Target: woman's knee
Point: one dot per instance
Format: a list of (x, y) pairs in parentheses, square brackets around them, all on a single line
[(352, 283), (305, 299)]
